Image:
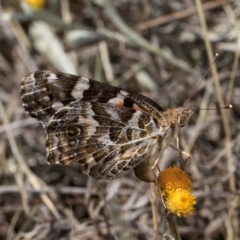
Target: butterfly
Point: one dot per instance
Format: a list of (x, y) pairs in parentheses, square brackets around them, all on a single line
[(105, 129)]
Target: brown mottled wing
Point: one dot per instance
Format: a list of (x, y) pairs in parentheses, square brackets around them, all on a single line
[(105, 129), (106, 140), (44, 92)]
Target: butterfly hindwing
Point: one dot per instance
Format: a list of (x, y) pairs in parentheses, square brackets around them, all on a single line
[(106, 140)]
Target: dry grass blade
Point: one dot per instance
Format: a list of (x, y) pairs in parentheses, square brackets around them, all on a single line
[(225, 118), (35, 182), (178, 15), (138, 40)]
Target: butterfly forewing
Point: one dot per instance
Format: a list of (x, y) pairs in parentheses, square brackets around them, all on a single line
[(105, 129)]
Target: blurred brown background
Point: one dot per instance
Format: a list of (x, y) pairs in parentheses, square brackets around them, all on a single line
[(157, 48)]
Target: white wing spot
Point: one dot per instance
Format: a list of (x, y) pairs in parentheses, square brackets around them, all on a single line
[(124, 93), (44, 89), (25, 105), (31, 76), (57, 105), (43, 112), (116, 100), (46, 99), (85, 79), (51, 77), (79, 88)]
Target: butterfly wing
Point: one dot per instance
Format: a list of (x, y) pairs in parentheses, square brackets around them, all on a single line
[(44, 93), (106, 140), (105, 129)]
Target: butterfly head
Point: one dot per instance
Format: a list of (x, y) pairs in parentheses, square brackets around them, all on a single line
[(183, 115)]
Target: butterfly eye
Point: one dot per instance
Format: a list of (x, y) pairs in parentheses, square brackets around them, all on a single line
[(184, 116)]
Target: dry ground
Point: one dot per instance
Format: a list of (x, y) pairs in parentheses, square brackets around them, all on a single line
[(157, 48)]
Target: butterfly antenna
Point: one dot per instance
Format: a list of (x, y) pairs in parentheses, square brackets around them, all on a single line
[(230, 106), (196, 87)]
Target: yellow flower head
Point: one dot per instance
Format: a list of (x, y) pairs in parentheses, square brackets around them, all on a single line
[(180, 202), (176, 187), (37, 4), (173, 178)]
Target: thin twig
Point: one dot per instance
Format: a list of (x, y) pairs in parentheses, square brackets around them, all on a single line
[(178, 15), (155, 212), (224, 115), (172, 225), (218, 90), (138, 40), (235, 23), (33, 179)]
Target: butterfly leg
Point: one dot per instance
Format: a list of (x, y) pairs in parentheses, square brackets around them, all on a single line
[(155, 164), (188, 156), (178, 153)]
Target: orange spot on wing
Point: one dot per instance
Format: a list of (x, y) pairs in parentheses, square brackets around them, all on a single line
[(119, 103), (135, 107)]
